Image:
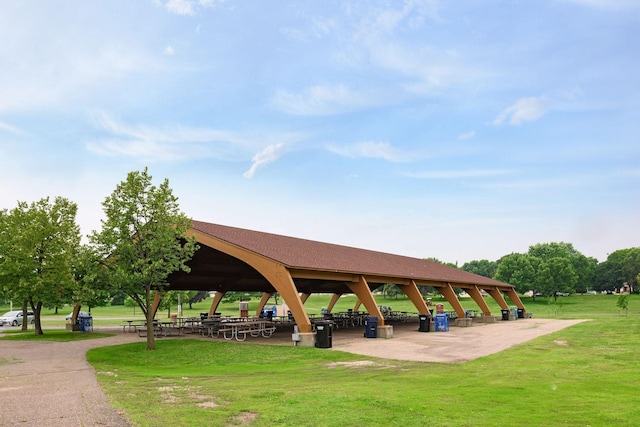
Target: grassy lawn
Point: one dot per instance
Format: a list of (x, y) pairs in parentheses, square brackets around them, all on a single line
[(57, 335), (586, 375)]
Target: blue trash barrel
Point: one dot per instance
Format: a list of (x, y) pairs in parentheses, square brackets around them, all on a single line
[(371, 327)]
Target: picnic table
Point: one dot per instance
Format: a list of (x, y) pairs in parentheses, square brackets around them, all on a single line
[(160, 329), (239, 330), (130, 326)]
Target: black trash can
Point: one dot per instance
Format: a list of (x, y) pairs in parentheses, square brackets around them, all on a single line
[(505, 314), (371, 327), (425, 323), (324, 334), (204, 315), (521, 313)]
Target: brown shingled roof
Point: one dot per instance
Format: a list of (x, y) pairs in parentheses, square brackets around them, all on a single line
[(297, 253)]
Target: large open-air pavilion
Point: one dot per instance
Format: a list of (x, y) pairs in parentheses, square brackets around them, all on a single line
[(239, 260)]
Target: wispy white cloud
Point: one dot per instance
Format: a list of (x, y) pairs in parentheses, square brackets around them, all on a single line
[(373, 150), (178, 143), (468, 135), (322, 100), (189, 7), (268, 155), (6, 127), (455, 174), (523, 110), (168, 51)]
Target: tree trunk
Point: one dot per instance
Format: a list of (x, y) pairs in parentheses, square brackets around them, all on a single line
[(37, 310), (151, 343), (25, 318)]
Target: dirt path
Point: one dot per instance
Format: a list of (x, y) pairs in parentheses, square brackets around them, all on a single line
[(51, 384)]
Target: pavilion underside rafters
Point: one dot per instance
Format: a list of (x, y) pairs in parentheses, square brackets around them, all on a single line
[(238, 260)]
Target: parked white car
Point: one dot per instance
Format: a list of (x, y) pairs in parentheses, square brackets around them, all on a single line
[(14, 318), (80, 314)]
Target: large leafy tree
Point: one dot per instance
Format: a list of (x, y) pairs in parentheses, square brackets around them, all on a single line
[(143, 240), (481, 267), (517, 270), (38, 248), (621, 266), (556, 275), (582, 266)]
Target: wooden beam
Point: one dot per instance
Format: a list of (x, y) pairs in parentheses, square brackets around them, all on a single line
[(476, 294), (513, 296), (157, 298), (304, 297), (276, 273), (497, 295), (415, 296), (361, 289), (216, 301), (450, 295), (334, 300), (263, 302)]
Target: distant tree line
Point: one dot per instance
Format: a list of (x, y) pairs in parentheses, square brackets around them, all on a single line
[(557, 268)]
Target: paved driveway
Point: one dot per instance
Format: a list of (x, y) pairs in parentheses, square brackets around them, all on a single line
[(51, 384)]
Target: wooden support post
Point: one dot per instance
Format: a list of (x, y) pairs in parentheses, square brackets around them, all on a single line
[(450, 295), (475, 293), (361, 289), (216, 301), (357, 305), (157, 299), (513, 296), (497, 295), (413, 293), (263, 302), (334, 300), (304, 297)]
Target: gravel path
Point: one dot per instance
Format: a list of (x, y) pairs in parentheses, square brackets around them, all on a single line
[(51, 384)]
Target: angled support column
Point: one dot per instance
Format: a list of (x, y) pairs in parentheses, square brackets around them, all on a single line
[(513, 296), (263, 302), (413, 293), (450, 295), (497, 295), (357, 305), (304, 297), (157, 299), (281, 280), (361, 289), (216, 302), (475, 293), (334, 300)]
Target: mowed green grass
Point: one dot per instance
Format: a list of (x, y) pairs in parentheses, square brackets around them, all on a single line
[(585, 375)]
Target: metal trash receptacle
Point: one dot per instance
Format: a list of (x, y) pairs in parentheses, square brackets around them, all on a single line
[(521, 313), (505, 314), (425, 323), (371, 327), (324, 331), (86, 323)]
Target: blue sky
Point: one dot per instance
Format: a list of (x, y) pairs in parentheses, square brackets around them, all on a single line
[(457, 130)]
